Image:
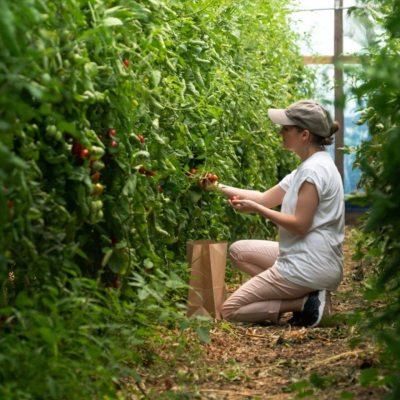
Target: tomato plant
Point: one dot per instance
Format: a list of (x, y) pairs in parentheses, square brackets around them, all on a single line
[(81, 80)]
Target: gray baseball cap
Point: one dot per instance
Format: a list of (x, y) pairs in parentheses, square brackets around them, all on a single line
[(307, 114)]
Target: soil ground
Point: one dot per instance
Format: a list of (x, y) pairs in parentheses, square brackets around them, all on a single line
[(271, 362)]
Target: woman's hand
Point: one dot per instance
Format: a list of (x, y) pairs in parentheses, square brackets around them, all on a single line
[(245, 206), (205, 184)]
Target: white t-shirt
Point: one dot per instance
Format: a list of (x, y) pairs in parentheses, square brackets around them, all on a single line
[(315, 260)]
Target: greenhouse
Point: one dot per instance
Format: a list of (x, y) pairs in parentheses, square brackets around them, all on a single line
[(199, 199)]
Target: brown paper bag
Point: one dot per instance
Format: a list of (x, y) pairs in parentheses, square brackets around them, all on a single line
[(207, 260)]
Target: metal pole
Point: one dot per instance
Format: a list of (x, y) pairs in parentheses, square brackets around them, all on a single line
[(339, 114)]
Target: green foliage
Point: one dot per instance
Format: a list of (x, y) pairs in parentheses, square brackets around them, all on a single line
[(306, 389), (379, 161), (91, 249)]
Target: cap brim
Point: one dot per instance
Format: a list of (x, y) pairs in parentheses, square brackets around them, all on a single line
[(278, 116)]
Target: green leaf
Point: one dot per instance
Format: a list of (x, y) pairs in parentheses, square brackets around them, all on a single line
[(47, 335), (185, 324), (112, 21), (130, 186), (368, 376), (359, 198), (170, 215), (106, 258), (347, 395), (175, 284), (143, 294), (203, 334), (155, 78), (116, 261), (82, 254), (23, 301)]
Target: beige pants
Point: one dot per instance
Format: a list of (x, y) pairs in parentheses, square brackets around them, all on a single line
[(268, 294)]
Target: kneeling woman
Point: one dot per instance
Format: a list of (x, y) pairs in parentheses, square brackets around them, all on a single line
[(295, 273)]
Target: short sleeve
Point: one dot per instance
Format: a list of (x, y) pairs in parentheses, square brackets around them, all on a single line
[(287, 181), (315, 177)]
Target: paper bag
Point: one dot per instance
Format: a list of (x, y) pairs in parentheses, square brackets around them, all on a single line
[(207, 260)]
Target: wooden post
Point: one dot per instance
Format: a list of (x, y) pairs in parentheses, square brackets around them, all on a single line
[(339, 112)]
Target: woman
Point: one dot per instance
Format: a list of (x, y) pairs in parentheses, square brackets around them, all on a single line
[(296, 273)]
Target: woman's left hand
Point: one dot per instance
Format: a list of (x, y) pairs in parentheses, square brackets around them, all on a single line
[(244, 206)]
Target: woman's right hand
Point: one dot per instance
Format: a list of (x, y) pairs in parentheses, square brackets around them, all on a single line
[(205, 184)]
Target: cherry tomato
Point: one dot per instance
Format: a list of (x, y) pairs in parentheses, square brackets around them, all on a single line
[(141, 138), (148, 271), (95, 177), (111, 132), (98, 189), (126, 62), (159, 189), (213, 178), (150, 173), (76, 148), (85, 153), (114, 144), (100, 137), (142, 170), (192, 171), (117, 284), (10, 204), (235, 198)]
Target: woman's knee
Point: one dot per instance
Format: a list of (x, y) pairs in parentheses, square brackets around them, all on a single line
[(235, 249), (228, 310)]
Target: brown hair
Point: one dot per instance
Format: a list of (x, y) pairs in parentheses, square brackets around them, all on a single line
[(320, 140)]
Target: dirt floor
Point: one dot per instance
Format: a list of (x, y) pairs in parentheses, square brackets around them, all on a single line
[(276, 362)]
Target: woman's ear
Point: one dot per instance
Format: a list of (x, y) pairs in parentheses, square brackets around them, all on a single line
[(306, 135)]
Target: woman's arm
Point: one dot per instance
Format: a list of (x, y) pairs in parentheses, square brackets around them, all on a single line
[(271, 198), (230, 191), (306, 207)]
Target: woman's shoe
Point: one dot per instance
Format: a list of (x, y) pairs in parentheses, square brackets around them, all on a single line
[(314, 308), (297, 315)]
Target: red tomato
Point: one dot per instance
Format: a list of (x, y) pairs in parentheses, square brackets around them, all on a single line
[(150, 173), (95, 177), (126, 62), (10, 204), (114, 144), (117, 284), (213, 178), (159, 189), (77, 148), (235, 198), (141, 138), (142, 170), (85, 153), (114, 240), (111, 132), (192, 171), (100, 137)]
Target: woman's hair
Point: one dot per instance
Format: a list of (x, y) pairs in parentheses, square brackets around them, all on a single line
[(320, 140)]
